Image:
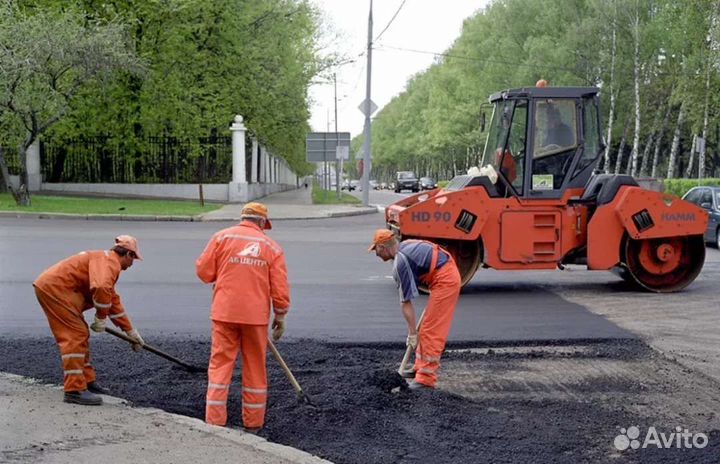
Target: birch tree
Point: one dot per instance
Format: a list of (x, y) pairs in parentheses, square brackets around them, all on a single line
[(675, 142)]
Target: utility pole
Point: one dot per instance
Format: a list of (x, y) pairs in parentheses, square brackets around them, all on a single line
[(338, 162), (367, 143)]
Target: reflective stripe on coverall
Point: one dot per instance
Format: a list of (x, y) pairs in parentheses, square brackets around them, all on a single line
[(227, 340), (444, 284), (70, 287), (249, 272)]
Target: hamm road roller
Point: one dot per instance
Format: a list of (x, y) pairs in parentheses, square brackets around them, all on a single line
[(539, 204)]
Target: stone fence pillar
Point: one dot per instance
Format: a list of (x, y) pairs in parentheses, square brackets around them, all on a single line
[(238, 188)]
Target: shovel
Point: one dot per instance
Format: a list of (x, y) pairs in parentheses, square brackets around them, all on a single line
[(402, 370), (298, 389), (162, 354)]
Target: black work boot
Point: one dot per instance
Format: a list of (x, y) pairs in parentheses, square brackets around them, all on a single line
[(82, 397), (95, 388), (252, 430)]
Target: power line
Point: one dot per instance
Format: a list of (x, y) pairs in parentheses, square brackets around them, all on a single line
[(477, 60), (390, 22)]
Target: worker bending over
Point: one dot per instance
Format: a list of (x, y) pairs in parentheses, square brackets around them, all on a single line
[(416, 262), (249, 272), (76, 284)]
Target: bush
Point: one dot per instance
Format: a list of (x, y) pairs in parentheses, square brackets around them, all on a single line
[(680, 187), (442, 183)]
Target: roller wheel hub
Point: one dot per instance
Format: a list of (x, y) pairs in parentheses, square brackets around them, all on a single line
[(661, 257)]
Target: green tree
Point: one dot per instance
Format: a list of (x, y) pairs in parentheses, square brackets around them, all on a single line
[(46, 58)]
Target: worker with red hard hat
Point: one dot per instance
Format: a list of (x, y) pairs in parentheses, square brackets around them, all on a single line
[(249, 274), (419, 262), (74, 285)]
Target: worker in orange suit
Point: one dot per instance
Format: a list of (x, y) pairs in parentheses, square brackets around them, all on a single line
[(249, 273), (416, 262), (76, 284)]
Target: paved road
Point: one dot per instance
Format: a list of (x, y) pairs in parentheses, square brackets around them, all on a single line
[(339, 291)]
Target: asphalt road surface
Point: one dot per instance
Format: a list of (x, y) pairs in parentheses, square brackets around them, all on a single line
[(550, 366), (339, 291)]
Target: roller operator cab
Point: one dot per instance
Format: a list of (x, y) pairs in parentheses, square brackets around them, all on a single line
[(540, 205)]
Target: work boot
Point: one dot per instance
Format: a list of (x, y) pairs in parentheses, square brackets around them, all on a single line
[(83, 397), (95, 388), (252, 430), (419, 386)]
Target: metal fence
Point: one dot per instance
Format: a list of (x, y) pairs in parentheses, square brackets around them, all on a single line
[(161, 159)]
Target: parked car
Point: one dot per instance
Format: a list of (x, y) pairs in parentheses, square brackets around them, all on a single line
[(708, 198), (426, 183), (374, 185), (406, 180), (355, 184), (347, 185)]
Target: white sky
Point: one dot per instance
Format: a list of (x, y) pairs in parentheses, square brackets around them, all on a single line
[(426, 25)]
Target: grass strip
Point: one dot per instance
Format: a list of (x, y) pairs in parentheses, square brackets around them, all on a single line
[(118, 206)]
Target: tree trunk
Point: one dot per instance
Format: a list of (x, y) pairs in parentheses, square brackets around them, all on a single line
[(675, 142), (618, 161), (691, 161), (608, 140), (6, 177), (636, 138), (648, 144), (658, 140), (701, 154)]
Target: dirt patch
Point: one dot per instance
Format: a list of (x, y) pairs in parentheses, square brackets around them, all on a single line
[(362, 417)]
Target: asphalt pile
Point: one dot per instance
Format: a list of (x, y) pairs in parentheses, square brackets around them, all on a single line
[(364, 414)]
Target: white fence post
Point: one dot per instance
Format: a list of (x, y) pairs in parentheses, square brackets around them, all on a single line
[(237, 189), (254, 162)]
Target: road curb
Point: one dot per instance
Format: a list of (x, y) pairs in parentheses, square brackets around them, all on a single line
[(97, 217), (151, 218), (234, 435)]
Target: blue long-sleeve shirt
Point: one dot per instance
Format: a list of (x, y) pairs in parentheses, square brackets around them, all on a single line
[(412, 261)]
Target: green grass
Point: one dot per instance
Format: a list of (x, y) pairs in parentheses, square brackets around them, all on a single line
[(78, 205), (329, 197)]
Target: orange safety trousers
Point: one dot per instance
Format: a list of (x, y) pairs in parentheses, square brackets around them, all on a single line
[(435, 327), (227, 340), (72, 336)]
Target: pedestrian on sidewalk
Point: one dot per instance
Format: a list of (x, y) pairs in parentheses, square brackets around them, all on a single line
[(248, 271), (416, 262), (76, 284)]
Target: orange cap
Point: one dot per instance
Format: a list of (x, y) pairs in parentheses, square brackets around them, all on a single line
[(129, 243), (381, 236), (257, 210), (541, 83)]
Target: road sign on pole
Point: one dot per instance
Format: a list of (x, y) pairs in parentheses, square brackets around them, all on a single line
[(323, 146), (342, 153)]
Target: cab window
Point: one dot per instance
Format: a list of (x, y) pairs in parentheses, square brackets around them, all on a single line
[(554, 142)]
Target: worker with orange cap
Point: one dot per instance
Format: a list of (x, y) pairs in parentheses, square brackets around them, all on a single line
[(76, 284), (249, 273), (416, 262)]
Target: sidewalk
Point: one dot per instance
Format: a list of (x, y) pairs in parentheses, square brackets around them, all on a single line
[(36, 426), (291, 204)]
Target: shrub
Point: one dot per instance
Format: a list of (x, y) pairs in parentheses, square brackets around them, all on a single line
[(680, 187)]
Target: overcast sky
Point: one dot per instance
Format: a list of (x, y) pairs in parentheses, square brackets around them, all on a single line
[(423, 25)]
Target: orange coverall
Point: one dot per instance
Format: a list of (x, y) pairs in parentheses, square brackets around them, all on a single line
[(444, 285), (70, 287), (249, 272)]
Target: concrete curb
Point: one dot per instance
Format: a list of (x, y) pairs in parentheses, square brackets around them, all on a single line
[(151, 218), (98, 217), (234, 435)]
